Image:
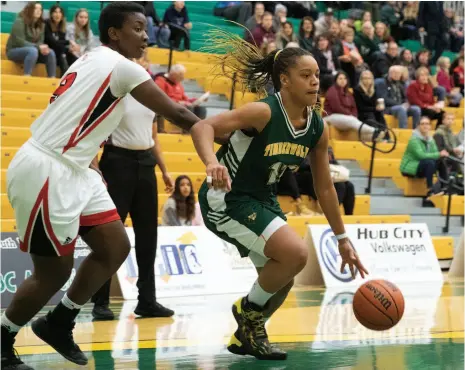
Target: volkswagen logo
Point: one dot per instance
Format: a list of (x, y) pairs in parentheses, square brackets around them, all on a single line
[(329, 254)]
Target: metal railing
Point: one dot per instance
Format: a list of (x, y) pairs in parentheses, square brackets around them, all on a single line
[(372, 144)]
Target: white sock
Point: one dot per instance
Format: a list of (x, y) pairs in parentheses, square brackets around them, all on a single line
[(68, 303), (10, 326), (258, 296)]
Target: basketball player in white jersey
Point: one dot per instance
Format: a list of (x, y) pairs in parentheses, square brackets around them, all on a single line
[(56, 196)]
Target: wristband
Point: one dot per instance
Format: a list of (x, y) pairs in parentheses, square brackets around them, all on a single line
[(341, 236)]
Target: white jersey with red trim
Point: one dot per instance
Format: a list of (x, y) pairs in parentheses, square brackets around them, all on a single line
[(85, 109)]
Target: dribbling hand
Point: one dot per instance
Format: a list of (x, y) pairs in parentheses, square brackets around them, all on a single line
[(218, 177), (350, 257)]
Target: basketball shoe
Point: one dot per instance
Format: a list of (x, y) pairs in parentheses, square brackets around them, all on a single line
[(250, 337), (60, 337), (10, 358)]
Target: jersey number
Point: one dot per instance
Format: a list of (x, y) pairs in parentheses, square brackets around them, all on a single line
[(65, 84), (276, 171)]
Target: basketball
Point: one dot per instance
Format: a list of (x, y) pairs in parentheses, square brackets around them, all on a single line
[(378, 305)]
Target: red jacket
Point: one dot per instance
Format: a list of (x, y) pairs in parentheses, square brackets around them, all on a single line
[(339, 101), (459, 75), (420, 94), (174, 90), (444, 80)]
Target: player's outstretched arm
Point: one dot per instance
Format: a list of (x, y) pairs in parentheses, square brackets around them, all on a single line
[(329, 202), (150, 95), (250, 116)]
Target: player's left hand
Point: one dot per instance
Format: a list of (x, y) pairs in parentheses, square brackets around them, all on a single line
[(169, 185), (350, 257)]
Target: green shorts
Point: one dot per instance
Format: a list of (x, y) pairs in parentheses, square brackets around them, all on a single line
[(247, 223)]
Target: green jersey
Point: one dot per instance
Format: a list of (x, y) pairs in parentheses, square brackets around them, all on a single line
[(257, 162), (249, 214)]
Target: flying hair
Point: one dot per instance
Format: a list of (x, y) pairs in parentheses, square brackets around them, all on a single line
[(237, 57)]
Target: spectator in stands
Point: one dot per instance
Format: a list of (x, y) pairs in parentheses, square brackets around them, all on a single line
[(420, 93), (289, 186), (286, 35), (256, 19), (374, 8), (334, 39), (55, 36), (158, 33), (390, 14), (327, 61), (382, 36), (351, 60), (444, 79), (431, 19), (263, 33), (366, 44), (392, 90), (306, 33), (323, 24), (421, 157), (455, 63), (369, 109), (171, 84), (340, 110), (385, 61), (26, 42), (406, 60), (366, 17), (409, 21), (280, 17), (237, 11), (177, 18), (181, 209), (454, 27), (458, 75), (446, 140), (80, 36)]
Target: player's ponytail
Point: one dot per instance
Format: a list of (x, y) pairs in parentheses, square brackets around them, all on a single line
[(234, 55)]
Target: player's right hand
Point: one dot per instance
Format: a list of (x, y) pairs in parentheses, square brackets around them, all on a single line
[(350, 257), (218, 177)]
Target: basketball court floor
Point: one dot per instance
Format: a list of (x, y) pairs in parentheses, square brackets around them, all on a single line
[(315, 326)]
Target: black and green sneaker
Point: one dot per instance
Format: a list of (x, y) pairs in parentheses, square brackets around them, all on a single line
[(250, 337)]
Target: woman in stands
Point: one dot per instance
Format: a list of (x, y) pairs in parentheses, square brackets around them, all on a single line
[(369, 109), (55, 36), (238, 199), (445, 80), (421, 158), (406, 60), (26, 43), (328, 63), (306, 33), (340, 110), (420, 93), (285, 35), (181, 209), (80, 36)]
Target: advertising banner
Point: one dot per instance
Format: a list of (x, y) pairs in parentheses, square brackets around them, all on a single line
[(16, 266), (395, 252)]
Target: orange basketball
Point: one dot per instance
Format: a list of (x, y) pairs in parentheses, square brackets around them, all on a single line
[(378, 305)]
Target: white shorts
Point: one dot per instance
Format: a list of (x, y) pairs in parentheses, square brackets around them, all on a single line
[(52, 198)]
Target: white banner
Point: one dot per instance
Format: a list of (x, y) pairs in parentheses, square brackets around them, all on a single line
[(190, 261), (395, 252)]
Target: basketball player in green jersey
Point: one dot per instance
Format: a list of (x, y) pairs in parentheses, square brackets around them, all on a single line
[(237, 199)]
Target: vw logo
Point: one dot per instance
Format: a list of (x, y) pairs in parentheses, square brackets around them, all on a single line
[(329, 254)]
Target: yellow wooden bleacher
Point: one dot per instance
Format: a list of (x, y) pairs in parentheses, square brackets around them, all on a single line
[(457, 204)]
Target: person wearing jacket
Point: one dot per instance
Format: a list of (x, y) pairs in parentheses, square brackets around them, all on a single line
[(445, 80), (26, 43), (369, 110), (392, 90), (421, 157), (432, 20), (366, 44), (341, 112), (263, 33), (446, 140), (385, 61), (327, 61), (177, 18), (55, 36), (420, 93)]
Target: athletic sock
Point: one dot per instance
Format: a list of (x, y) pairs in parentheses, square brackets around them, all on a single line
[(66, 311), (258, 296), (9, 326)]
